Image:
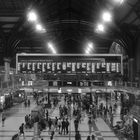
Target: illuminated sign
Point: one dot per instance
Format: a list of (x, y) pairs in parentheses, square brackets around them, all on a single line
[(68, 63)]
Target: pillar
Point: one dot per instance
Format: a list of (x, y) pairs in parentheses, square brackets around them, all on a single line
[(7, 69), (137, 62), (36, 131), (138, 131), (131, 69)]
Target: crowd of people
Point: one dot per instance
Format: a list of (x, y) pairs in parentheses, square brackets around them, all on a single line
[(71, 109)]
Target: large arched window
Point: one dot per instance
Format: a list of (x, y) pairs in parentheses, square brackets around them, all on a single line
[(117, 49)]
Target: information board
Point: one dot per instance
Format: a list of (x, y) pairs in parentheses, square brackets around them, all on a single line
[(68, 63)]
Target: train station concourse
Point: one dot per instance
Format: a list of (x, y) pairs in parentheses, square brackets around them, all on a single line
[(69, 70)]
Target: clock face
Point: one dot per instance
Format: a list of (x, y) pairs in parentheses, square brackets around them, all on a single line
[(117, 49)]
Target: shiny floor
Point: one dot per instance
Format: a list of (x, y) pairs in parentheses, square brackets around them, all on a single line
[(15, 116)]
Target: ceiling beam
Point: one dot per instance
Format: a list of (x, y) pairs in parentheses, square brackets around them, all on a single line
[(130, 12)]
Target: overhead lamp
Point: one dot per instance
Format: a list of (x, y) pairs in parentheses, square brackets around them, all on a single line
[(100, 28), (107, 17), (51, 47), (54, 51), (87, 51), (32, 16), (39, 27), (90, 45)]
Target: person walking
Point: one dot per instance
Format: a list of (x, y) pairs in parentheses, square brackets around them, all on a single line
[(21, 130), (3, 118)]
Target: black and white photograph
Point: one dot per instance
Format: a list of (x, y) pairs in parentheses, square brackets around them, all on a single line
[(69, 69)]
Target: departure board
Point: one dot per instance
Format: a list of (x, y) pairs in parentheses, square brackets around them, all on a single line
[(68, 63)]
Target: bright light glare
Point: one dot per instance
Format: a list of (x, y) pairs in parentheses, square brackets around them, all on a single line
[(50, 46), (53, 50), (107, 17), (32, 16), (90, 45), (100, 28), (119, 1), (87, 51), (39, 27)]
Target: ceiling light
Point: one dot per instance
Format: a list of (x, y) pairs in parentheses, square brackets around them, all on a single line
[(32, 16), (51, 47), (107, 17), (87, 51), (90, 45), (54, 51), (100, 28), (39, 27)]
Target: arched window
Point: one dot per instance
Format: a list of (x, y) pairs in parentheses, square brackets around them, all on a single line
[(117, 49)]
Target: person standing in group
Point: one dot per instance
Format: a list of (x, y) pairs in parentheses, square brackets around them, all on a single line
[(56, 123), (111, 119), (77, 136), (88, 137), (21, 130), (3, 118), (52, 136), (28, 102), (59, 125), (50, 123), (67, 126), (76, 124), (63, 126), (90, 125), (46, 114)]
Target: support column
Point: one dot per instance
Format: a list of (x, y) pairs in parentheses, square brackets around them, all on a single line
[(7, 69), (36, 131), (131, 69), (138, 131), (137, 62)]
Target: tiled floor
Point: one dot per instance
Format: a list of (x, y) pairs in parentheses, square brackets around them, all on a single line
[(15, 116)]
